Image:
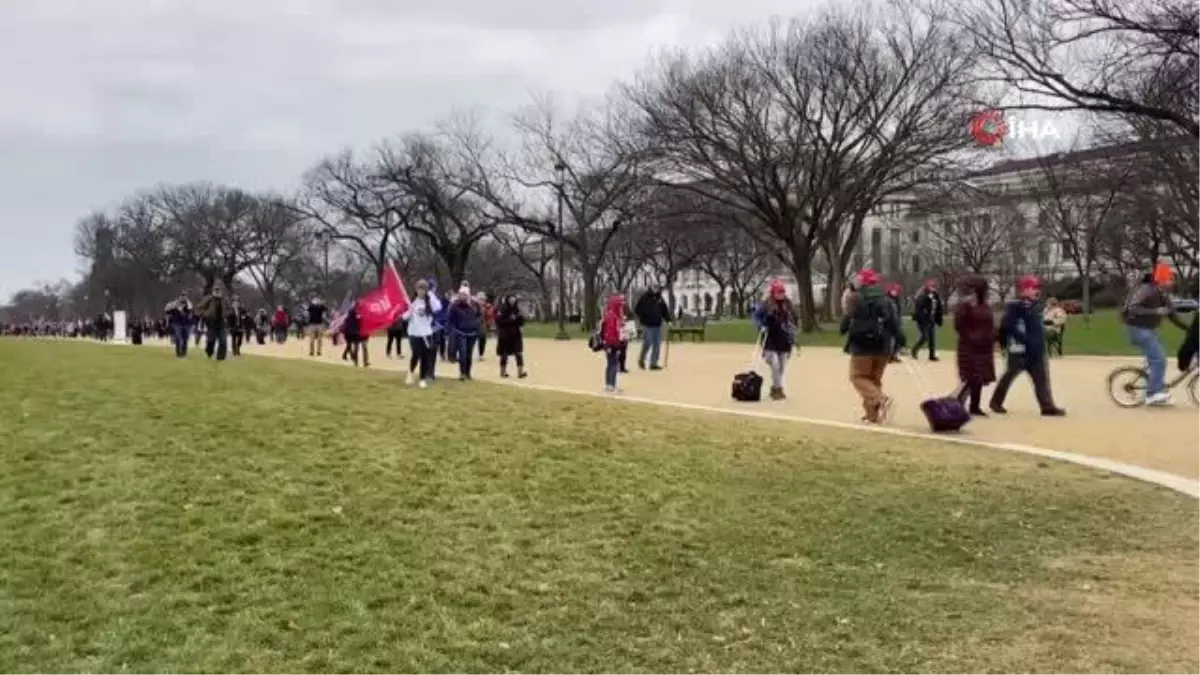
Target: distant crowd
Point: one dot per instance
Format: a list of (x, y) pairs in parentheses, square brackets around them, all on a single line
[(455, 327)]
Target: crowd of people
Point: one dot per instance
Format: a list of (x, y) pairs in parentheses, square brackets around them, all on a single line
[(455, 327)]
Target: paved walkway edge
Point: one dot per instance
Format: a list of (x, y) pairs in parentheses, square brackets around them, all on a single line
[(1170, 481), (1186, 486)]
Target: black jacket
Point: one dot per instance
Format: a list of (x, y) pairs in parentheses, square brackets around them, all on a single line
[(1187, 350), (651, 310), (928, 308)]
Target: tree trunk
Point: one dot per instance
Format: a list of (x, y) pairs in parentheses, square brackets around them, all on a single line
[(591, 303), (808, 313), (719, 310)]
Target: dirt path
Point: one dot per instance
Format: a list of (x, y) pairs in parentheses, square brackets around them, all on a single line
[(699, 374)]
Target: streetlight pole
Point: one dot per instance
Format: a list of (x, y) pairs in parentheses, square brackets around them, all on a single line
[(560, 171)]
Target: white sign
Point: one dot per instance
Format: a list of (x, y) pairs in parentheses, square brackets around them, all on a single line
[(119, 326)]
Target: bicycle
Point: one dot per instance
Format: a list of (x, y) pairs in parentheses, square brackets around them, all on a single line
[(1127, 384)]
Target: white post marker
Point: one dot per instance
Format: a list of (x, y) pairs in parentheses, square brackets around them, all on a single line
[(119, 327)]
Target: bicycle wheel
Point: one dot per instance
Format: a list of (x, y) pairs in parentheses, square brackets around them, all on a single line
[(1193, 384), (1127, 386)]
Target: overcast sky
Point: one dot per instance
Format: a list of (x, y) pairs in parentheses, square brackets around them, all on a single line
[(101, 98)]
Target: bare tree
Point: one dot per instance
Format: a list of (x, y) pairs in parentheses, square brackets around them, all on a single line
[(1105, 56), (283, 238), (737, 264), (421, 169), (1075, 202), (624, 259), (803, 125), (351, 202), (601, 168), (536, 256)]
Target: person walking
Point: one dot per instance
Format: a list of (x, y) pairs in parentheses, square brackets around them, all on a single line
[(464, 321), (179, 318), (212, 310), (235, 324), (1145, 307), (1023, 337), (316, 313), (871, 328), (356, 341), (779, 321), (510, 343), (262, 324), (488, 316), (927, 314), (893, 294), (280, 323), (396, 334), (975, 355), (611, 339), (419, 315), (652, 312)]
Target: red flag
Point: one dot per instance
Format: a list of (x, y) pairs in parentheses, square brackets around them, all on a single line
[(381, 307)]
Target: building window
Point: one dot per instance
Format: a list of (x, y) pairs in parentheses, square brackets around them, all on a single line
[(1043, 253), (916, 264), (894, 251), (877, 248)]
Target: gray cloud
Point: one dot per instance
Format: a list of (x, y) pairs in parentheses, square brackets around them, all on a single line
[(102, 98)]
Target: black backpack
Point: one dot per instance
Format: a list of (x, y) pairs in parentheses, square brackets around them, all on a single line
[(868, 325)]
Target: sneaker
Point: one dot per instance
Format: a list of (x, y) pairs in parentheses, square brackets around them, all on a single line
[(776, 394), (609, 390), (1054, 412), (522, 375), (1162, 398), (412, 377), (423, 384), (885, 409), (655, 367), (504, 374), (998, 409)]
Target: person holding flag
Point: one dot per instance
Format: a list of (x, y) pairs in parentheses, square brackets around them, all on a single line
[(420, 315)]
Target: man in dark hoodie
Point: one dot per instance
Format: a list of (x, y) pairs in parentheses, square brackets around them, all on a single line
[(652, 312), (927, 314), (464, 321), (1023, 337), (179, 319), (396, 334), (212, 310), (871, 328)]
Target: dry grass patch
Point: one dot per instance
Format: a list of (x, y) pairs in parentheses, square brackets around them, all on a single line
[(268, 515)]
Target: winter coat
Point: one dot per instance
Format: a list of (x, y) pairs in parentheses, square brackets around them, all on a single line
[(509, 321), (976, 329)]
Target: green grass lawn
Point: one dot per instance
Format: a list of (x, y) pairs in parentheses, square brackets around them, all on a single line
[(270, 515), (1103, 335)]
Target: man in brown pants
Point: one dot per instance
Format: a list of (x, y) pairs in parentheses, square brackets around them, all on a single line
[(872, 330)]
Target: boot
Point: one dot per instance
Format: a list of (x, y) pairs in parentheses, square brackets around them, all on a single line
[(504, 372), (522, 374), (777, 394)]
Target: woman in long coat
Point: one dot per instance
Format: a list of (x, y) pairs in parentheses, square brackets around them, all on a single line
[(976, 328), (509, 341)]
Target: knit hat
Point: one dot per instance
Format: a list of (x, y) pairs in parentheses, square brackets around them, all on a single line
[(868, 277), (1163, 274), (1029, 283)]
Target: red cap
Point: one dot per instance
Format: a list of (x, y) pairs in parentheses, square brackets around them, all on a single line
[(868, 277), (894, 289), (1028, 283), (776, 288)]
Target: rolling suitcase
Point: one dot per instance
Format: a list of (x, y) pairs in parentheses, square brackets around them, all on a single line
[(747, 386), (943, 413)]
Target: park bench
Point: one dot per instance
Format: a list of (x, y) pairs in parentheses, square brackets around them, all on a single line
[(692, 326)]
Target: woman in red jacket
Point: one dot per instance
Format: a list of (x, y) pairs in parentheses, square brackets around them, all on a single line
[(611, 337), (976, 328)]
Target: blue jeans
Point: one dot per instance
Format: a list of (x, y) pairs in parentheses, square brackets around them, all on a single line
[(651, 342), (1146, 339), (612, 364), (465, 353), (179, 335), (214, 341)]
